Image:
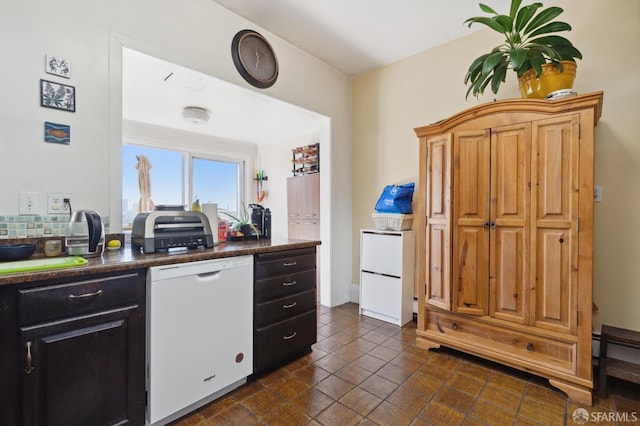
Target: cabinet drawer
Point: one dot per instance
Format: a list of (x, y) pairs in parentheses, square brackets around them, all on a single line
[(285, 307), (286, 262), (381, 294), (381, 253), (285, 338), (71, 299), (504, 342), (284, 285)]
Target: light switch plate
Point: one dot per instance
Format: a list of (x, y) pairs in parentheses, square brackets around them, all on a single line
[(597, 194), (29, 203)]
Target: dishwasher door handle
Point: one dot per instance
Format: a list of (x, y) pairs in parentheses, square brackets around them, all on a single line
[(209, 275)]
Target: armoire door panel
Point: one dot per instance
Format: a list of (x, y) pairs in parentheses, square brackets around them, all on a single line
[(556, 148), (438, 268), (471, 163), (509, 291), (471, 276), (439, 157), (555, 281), (510, 174), (471, 177), (438, 232), (510, 222)]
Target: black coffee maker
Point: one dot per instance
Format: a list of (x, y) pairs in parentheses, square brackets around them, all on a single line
[(261, 218)]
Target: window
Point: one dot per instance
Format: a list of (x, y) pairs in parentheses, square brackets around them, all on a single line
[(178, 178)]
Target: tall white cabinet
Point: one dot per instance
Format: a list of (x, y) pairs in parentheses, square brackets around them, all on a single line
[(387, 275)]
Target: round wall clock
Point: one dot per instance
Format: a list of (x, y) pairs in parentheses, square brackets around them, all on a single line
[(254, 59)]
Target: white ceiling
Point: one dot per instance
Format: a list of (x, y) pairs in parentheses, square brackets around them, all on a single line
[(360, 35), (155, 91), (351, 35)]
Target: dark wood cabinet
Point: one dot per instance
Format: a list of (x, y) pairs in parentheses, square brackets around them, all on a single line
[(285, 319), (80, 348)]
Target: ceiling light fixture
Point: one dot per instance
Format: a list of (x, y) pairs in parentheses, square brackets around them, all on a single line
[(195, 115)]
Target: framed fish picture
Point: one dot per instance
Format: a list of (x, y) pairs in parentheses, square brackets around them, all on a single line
[(57, 95), (57, 133)]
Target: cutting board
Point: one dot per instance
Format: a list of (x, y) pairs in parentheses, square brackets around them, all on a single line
[(41, 264)]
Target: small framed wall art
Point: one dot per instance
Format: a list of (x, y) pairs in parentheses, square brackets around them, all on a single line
[(58, 66), (57, 133), (57, 95)]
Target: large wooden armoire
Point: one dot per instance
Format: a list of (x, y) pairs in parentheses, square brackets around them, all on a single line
[(504, 228)]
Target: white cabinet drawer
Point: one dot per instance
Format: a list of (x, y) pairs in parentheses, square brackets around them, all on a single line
[(377, 292), (382, 253)]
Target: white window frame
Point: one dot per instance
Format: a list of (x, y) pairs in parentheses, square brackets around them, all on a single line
[(186, 171)]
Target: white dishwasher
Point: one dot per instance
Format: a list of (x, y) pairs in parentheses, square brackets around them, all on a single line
[(199, 334)]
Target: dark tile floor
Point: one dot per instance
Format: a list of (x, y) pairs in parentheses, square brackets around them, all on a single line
[(364, 371)]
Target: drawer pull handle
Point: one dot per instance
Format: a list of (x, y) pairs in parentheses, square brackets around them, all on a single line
[(454, 325), (294, 263), (530, 347), (29, 368), (289, 306), (86, 295), (291, 336), (294, 282)]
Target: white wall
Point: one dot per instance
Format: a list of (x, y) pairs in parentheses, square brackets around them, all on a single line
[(91, 33)]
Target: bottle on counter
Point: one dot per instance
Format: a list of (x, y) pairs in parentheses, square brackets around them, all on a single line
[(223, 228)]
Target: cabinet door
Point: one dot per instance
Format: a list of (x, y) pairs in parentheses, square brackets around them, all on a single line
[(556, 149), (295, 202), (303, 196), (437, 249), (311, 195), (471, 159), (84, 371), (510, 218)]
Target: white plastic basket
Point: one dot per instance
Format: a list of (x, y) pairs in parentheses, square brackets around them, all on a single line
[(392, 221)]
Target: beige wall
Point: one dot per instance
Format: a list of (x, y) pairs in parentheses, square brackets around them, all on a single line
[(389, 102)]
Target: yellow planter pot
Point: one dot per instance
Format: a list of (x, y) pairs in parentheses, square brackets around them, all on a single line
[(549, 81)]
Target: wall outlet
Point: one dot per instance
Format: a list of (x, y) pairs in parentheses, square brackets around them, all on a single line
[(29, 203), (56, 204), (597, 194)]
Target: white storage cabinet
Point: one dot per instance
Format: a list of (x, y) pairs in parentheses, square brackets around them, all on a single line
[(386, 275)]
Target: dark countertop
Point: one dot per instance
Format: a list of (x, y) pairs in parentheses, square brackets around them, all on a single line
[(126, 259)]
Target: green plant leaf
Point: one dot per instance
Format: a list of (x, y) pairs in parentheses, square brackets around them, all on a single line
[(492, 61), (515, 5), (505, 22), (518, 58), (544, 51), (536, 64), (499, 76), (551, 40), (525, 14), (542, 18), (489, 22), (487, 9), (551, 27), (568, 53)]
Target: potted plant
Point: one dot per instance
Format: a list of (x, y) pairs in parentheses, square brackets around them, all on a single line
[(242, 224), (531, 49)]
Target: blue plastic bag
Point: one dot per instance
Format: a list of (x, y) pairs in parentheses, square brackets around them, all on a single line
[(396, 199)]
